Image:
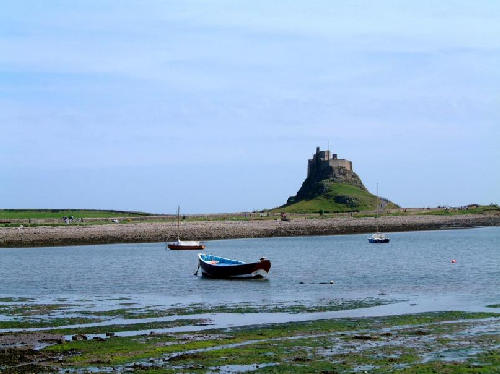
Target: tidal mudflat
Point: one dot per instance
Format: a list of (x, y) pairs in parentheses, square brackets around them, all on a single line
[(427, 342), (331, 304)]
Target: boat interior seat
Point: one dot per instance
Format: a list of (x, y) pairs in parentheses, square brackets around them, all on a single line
[(221, 260)]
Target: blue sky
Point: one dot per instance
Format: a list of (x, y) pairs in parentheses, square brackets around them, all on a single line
[(216, 105)]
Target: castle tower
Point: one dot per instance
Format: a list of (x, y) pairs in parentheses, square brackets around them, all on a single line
[(323, 164)]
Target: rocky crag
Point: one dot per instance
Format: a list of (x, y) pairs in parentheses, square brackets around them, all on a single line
[(332, 186)]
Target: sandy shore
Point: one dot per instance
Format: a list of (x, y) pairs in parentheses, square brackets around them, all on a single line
[(206, 230)]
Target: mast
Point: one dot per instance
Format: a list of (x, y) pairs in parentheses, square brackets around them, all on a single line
[(178, 221), (376, 214)]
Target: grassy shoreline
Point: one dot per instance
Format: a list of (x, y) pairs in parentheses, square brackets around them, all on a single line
[(94, 215), (6, 214)]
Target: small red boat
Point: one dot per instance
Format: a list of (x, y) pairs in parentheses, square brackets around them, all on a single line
[(182, 245)]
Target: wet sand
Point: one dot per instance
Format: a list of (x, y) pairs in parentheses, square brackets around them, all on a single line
[(211, 230)]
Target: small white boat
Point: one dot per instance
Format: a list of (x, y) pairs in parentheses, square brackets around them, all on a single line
[(378, 237), (184, 244)]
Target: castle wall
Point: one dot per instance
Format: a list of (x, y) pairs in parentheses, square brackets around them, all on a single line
[(323, 163), (341, 163)]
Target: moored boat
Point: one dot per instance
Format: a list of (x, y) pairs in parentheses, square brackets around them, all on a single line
[(184, 244), (378, 238), (221, 267)]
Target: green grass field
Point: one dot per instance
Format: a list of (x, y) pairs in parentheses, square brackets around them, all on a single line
[(329, 202), (325, 203), (59, 213), (482, 209)]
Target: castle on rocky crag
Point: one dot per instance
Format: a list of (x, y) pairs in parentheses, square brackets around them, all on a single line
[(325, 165), (323, 168), (331, 184)]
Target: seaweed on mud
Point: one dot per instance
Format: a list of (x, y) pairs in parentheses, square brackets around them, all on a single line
[(200, 308), (391, 343), (493, 306), (113, 328), (26, 360), (31, 309), (45, 322), (16, 299)]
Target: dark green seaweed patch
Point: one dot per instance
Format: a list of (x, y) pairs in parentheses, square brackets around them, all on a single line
[(199, 308), (41, 323), (493, 306)]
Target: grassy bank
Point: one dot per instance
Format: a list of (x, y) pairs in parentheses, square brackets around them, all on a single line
[(320, 207), (59, 213), (334, 197)]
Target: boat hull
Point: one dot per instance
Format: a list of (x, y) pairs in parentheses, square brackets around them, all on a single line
[(377, 241), (248, 270), (178, 247)]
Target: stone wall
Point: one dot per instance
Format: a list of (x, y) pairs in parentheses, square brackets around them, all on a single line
[(336, 163)]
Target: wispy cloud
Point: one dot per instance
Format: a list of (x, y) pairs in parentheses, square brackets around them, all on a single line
[(130, 84)]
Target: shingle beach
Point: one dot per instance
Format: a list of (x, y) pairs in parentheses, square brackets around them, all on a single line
[(227, 229)]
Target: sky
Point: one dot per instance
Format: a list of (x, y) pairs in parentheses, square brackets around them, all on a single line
[(217, 105)]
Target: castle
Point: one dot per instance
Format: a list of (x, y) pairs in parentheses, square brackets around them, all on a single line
[(323, 169), (325, 165), (331, 185)]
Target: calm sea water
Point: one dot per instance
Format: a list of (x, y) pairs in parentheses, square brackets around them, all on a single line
[(414, 266)]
